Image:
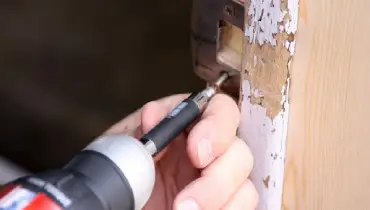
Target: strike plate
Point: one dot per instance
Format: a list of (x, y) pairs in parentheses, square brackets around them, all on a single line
[(208, 17)]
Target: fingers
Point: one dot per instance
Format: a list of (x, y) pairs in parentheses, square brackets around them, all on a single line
[(246, 198), (206, 141), (213, 134), (219, 181), (129, 125), (153, 112)]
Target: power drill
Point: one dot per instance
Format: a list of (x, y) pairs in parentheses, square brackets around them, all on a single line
[(114, 172)]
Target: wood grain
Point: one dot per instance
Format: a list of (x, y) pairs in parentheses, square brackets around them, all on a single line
[(327, 163)]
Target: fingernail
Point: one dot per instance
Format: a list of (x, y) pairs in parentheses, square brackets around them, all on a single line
[(188, 205), (204, 152)]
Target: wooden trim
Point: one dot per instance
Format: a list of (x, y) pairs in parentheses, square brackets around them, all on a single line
[(268, 49), (319, 159)]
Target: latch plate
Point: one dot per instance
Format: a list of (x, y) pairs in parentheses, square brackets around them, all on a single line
[(208, 18)]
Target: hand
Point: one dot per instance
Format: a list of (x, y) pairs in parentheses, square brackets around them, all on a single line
[(204, 168)]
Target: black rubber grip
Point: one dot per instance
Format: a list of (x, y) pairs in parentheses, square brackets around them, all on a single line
[(173, 124)]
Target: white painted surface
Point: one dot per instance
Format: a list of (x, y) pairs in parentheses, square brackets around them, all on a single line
[(265, 16), (292, 25), (267, 139), (265, 136)]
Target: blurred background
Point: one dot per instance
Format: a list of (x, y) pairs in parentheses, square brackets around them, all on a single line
[(71, 68)]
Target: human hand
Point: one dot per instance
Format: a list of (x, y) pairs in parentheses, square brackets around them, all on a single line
[(204, 168)]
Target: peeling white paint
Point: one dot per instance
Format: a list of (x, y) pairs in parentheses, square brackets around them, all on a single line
[(266, 19), (292, 25), (290, 46), (264, 23), (267, 140), (284, 92), (287, 43), (281, 28), (265, 136), (257, 93)]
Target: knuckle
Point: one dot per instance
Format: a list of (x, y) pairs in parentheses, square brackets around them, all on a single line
[(149, 104)]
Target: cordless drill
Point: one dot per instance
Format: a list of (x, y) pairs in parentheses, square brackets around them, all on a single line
[(114, 172)]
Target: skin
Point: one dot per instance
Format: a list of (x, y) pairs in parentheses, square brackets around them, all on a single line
[(204, 168)]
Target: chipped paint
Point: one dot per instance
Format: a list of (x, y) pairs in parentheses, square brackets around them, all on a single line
[(270, 45), (292, 25), (292, 48), (265, 137), (266, 181), (265, 18), (290, 45)]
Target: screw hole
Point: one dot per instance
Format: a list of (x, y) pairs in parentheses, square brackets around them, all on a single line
[(229, 10)]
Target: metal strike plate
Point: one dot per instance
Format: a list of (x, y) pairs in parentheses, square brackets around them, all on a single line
[(208, 18)]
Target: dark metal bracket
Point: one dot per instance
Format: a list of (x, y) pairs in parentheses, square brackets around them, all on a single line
[(207, 19)]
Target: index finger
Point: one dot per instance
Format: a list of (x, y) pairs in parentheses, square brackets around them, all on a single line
[(131, 123), (215, 131)]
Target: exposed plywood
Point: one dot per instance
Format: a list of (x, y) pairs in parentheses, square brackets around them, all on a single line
[(327, 163), (268, 49)]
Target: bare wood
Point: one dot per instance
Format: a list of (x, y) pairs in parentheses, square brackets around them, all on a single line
[(230, 46), (327, 163), (319, 160), (268, 49)]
